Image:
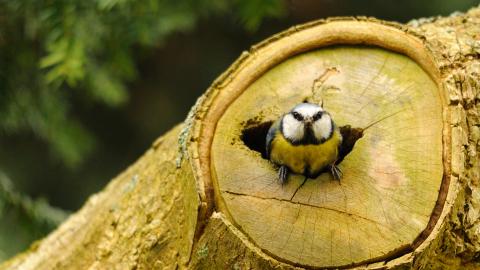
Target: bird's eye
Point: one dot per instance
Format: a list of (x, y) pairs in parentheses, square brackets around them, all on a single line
[(297, 116), (317, 116)]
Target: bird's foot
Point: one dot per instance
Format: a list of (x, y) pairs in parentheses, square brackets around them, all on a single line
[(283, 174), (336, 172)]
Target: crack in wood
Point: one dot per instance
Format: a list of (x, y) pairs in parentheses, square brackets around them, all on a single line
[(299, 187), (309, 205), (379, 72), (381, 119)]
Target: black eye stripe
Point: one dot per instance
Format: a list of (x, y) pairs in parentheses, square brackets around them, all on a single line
[(317, 116), (297, 116)]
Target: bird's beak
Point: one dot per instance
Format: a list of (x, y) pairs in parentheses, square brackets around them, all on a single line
[(308, 122)]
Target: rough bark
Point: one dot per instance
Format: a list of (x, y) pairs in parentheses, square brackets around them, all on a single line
[(182, 204)]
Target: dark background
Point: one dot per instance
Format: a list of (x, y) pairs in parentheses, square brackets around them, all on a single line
[(171, 76)]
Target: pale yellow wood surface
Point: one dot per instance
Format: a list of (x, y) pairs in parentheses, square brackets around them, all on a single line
[(391, 178)]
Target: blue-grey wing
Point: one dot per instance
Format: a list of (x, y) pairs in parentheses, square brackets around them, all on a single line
[(270, 136)]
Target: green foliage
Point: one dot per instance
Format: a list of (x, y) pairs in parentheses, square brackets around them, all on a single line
[(58, 51), (23, 220), (252, 12)]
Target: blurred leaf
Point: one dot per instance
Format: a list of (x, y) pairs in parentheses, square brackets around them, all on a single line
[(107, 88), (23, 220), (109, 4), (253, 12), (70, 141), (37, 210), (65, 60)]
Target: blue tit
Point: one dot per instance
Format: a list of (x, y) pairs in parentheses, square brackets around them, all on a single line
[(304, 141)]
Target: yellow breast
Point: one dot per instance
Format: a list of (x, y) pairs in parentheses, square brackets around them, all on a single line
[(305, 159)]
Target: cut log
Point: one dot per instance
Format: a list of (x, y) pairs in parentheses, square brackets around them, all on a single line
[(391, 176), (407, 98)]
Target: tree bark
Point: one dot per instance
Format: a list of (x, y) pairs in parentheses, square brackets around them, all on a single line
[(202, 197)]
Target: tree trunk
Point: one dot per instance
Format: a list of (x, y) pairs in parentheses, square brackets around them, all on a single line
[(204, 196)]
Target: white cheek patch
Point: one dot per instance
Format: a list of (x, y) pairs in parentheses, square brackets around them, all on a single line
[(323, 126), (292, 128)]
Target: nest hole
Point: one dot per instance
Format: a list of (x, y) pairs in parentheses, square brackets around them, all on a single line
[(254, 137)]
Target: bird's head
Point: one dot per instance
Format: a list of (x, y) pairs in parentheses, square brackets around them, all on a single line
[(307, 123)]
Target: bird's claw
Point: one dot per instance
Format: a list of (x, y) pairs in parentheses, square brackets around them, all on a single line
[(336, 172), (283, 174)]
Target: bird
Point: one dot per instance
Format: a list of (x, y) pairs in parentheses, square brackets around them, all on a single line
[(304, 141)]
